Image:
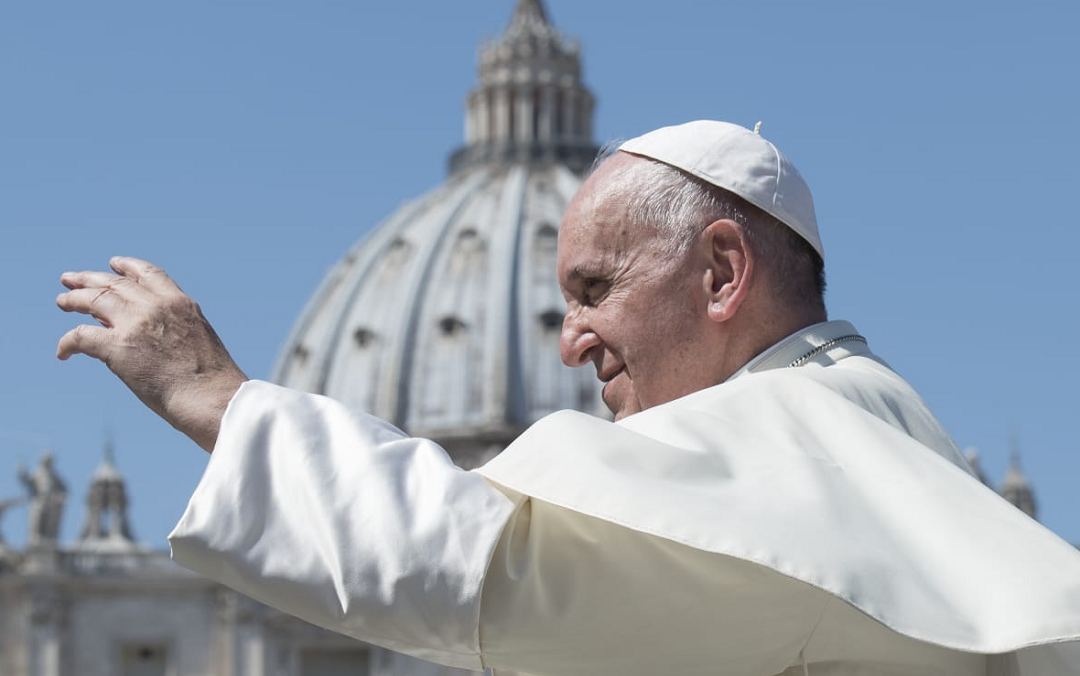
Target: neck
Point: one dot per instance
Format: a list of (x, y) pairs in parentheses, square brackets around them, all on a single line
[(755, 334)]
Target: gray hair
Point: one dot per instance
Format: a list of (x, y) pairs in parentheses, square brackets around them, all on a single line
[(678, 207)]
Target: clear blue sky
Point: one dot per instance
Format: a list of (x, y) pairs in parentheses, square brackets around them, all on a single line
[(245, 146)]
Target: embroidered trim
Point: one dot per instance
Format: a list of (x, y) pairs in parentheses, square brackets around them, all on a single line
[(826, 346)]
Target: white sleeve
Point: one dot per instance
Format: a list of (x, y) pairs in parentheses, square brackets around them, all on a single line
[(346, 522)]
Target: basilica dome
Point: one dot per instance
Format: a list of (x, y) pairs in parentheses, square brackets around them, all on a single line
[(445, 319)]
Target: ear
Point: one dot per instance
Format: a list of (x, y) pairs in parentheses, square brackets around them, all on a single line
[(729, 268)]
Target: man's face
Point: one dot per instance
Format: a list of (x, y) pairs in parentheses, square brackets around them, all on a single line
[(637, 313)]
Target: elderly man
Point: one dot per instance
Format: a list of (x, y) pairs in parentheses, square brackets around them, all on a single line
[(772, 498)]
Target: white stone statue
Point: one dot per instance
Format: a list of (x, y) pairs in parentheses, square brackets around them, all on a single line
[(47, 493)]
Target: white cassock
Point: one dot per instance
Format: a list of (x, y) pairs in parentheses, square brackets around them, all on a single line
[(792, 520)]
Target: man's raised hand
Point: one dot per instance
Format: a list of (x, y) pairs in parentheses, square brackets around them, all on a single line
[(155, 338)]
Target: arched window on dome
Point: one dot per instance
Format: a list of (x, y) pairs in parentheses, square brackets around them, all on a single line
[(364, 357), (301, 353), (468, 251), (452, 392), (375, 309), (549, 376), (398, 253), (545, 249), (547, 235), (451, 328), (548, 379), (363, 337)]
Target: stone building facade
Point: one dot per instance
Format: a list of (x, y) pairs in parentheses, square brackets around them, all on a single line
[(108, 606)]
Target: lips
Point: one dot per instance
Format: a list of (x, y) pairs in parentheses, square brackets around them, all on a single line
[(608, 377)]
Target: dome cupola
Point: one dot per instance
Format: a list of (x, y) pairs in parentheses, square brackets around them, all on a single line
[(529, 102)]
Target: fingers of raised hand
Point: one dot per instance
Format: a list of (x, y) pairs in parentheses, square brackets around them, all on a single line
[(143, 272), (92, 341), (103, 303), (87, 279)]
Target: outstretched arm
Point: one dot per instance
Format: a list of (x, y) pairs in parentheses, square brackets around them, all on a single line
[(155, 339)]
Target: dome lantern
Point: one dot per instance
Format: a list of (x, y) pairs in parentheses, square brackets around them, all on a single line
[(530, 103)]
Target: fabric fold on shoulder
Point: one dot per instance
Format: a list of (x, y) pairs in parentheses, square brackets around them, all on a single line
[(781, 469)]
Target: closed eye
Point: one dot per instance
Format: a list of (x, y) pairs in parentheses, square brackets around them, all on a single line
[(585, 285), (593, 290)]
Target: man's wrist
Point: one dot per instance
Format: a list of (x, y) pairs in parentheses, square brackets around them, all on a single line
[(197, 410)]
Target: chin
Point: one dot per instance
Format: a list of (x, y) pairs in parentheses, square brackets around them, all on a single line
[(616, 411), (624, 411), (621, 406)]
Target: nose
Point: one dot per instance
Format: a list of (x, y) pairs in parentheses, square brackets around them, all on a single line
[(577, 340)]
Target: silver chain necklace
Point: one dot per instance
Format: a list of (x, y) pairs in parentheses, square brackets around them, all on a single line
[(826, 346)]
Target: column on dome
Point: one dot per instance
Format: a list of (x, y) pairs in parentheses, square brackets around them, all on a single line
[(571, 103), (523, 97), (570, 114), (545, 133), (587, 105), (534, 109), (501, 110), (470, 119), (559, 111), (480, 116), (576, 114)]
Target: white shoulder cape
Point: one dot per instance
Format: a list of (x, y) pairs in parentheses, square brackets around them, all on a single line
[(838, 477)]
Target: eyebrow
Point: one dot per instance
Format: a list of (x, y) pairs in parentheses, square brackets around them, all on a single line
[(582, 271)]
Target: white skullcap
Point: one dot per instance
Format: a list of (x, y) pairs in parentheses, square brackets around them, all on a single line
[(739, 161)]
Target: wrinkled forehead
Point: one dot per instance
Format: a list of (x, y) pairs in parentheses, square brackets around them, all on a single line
[(596, 230), (616, 176), (601, 200), (592, 222)]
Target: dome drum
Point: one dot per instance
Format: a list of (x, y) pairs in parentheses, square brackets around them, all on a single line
[(576, 157)]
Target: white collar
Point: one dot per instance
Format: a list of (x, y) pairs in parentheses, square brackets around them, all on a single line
[(804, 343)]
